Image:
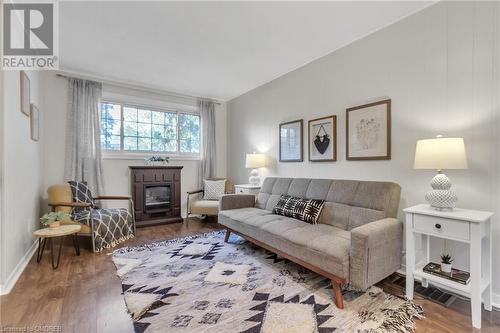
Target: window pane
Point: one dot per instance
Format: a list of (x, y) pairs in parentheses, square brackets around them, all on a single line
[(129, 114), (129, 143), (111, 143), (111, 111), (171, 133), (171, 145), (144, 116), (110, 126), (189, 133), (144, 130), (158, 132), (158, 117), (158, 145), (144, 143), (129, 128), (171, 119)]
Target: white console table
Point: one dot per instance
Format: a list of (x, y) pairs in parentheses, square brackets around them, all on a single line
[(246, 189), (468, 226)]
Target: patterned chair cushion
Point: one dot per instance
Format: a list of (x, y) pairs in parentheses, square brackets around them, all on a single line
[(213, 189), (307, 210), (81, 192)]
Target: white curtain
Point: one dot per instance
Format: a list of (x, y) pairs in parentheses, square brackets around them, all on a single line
[(208, 154), (83, 137)]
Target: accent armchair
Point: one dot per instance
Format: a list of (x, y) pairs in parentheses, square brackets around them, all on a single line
[(106, 227), (197, 205)]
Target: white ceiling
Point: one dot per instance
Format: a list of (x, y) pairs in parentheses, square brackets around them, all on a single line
[(212, 49)]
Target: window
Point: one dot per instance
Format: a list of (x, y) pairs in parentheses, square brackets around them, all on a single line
[(129, 128)]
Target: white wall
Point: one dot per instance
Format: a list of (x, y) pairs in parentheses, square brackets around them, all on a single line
[(116, 172), (438, 85), (22, 176)]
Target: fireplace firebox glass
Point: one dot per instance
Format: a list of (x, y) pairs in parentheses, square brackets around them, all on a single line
[(157, 197)]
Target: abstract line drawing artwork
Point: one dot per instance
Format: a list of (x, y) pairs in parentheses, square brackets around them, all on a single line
[(368, 131)]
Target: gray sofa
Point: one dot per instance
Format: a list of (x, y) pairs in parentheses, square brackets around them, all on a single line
[(357, 239)]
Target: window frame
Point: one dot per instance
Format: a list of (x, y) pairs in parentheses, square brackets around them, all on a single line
[(140, 154)]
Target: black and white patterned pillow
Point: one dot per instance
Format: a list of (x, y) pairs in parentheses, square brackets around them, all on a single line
[(307, 210), (213, 189), (81, 192)]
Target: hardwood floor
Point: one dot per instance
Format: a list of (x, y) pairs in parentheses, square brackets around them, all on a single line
[(84, 293)]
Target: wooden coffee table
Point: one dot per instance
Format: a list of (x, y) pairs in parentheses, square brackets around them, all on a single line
[(50, 233)]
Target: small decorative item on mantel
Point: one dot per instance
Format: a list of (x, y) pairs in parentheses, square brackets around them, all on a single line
[(53, 219), (446, 261), (157, 160)]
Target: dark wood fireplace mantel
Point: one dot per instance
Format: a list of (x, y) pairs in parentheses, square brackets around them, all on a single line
[(156, 191)]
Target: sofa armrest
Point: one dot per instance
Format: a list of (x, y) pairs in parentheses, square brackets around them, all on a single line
[(235, 201), (376, 251)]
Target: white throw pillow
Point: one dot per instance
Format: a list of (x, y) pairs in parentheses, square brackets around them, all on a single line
[(213, 189)]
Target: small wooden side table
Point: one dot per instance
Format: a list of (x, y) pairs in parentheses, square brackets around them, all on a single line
[(61, 232)]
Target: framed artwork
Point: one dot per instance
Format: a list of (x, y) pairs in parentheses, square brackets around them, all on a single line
[(25, 94), (291, 145), (34, 123), (368, 132), (322, 137)]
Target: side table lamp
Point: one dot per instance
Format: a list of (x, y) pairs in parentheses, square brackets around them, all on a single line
[(439, 154), (255, 161)]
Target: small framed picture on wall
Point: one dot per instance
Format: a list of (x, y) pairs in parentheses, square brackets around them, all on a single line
[(34, 123), (25, 94), (368, 132), (291, 139), (322, 136)]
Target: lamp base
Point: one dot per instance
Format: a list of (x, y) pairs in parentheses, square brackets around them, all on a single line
[(441, 197), (254, 177)]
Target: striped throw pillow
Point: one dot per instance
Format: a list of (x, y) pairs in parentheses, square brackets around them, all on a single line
[(307, 210)]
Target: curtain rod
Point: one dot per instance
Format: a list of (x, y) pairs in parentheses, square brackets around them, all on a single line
[(134, 87)]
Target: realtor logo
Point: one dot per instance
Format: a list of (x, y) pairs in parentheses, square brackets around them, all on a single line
[(30, 35)]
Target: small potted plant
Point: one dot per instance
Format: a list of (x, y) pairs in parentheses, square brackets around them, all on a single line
[(53, 219), (157, 160), (446, 261)]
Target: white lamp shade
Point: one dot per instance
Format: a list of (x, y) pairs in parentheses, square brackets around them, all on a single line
[(254, 161), (441, 154)]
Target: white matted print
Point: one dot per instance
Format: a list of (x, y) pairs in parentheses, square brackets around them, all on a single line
[(368, 131), (291, 148), (323, 139)]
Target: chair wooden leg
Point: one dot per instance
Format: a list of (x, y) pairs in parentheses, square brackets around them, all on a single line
[(337, 290), (226, 237)]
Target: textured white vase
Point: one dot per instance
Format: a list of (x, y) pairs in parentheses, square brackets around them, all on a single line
[(441, 197)]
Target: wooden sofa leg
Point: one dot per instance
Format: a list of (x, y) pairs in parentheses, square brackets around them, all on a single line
[(226, 237), (337, 290)]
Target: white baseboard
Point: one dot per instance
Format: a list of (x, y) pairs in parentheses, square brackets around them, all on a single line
[(495, 298), (18, 270)]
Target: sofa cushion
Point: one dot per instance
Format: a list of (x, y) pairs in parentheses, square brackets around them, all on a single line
[(335, 214), (321, 245), (205, 207), (354, 202), (306, 210)]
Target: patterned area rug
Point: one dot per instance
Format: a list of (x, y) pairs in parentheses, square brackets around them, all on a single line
[(201, 284)]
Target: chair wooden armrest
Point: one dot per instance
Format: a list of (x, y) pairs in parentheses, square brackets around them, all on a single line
[(69, 204), (194, 192), (113, 197)]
